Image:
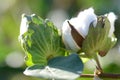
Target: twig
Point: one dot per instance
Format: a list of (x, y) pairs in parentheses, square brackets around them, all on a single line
[(102, 75), (87, 75)]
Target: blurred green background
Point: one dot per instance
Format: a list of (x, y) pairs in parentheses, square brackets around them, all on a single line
[(12, 56)]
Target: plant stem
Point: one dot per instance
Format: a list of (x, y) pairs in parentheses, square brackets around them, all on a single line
[(99, 72), (99, 68), (102, 75)]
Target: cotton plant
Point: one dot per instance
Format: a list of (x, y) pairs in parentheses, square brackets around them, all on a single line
[(46, 48)]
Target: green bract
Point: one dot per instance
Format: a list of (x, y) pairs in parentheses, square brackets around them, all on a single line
[(41, 40), (97, 40)]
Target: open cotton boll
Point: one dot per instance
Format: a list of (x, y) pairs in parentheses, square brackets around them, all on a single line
[(67, 37), (83, 21), (74, 32), (111, 17), (100, 37)]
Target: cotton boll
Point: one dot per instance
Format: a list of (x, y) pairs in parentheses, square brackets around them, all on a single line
[(83, 21), (111, 17), (67, 37), (98, 32), (77, 25), (73, 38)]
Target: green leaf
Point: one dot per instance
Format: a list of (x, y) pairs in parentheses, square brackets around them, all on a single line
[(60, 68), (41, 41)]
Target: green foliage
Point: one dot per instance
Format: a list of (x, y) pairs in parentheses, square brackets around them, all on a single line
[(41, 41), (45, 51), (60, 68)]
